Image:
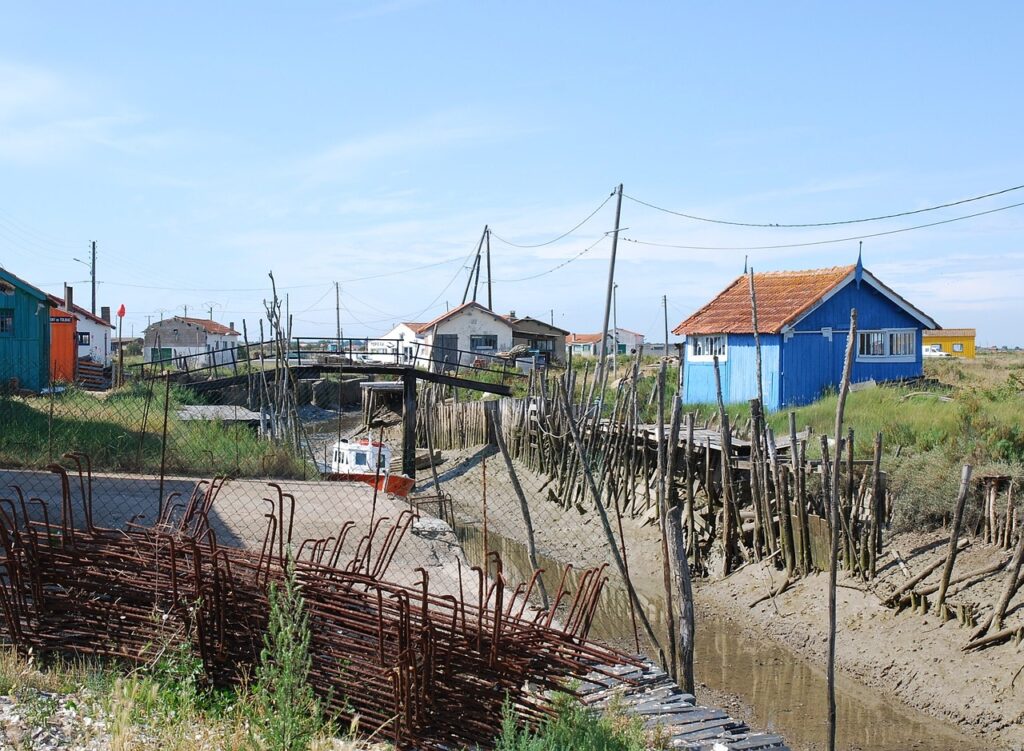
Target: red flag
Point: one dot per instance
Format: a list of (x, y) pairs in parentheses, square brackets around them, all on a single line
[(120, 311)]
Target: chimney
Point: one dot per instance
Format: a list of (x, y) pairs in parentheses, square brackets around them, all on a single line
[(105, 313), (231, 325), (69, 297), (511, 314)]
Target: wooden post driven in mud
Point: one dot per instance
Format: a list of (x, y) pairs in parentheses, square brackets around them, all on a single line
[(666, 561), (727, 545), (409, 425), (609, 535), (524, 507), (679, 565), (954, 536), (844, 388)]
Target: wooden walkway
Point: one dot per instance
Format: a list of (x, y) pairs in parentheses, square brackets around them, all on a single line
[(650, 693)]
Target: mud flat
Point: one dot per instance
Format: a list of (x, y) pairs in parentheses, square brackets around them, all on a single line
[(881, 654)]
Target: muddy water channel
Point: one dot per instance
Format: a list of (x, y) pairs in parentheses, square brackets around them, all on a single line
[(784, 692)]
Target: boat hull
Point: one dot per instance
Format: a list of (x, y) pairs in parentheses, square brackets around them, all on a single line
[(398, 485)]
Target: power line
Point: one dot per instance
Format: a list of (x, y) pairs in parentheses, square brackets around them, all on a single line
[(563, 264), (823, 242), (774, 225), (405, 270), (561, 236)]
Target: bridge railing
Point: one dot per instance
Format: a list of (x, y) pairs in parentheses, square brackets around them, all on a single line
[(347, 351)]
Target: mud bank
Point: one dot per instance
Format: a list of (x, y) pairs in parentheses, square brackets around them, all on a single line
[(908, 657)]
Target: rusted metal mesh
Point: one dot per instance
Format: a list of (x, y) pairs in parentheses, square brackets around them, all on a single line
[(430, 670)]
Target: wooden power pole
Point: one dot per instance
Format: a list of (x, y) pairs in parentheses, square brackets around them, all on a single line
[(602, 364)]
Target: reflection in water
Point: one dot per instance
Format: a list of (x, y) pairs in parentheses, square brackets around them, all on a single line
[(786, 693)]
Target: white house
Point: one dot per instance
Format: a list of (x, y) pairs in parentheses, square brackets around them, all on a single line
[(93, 332), (622, 341), (402, 345), (463, 335), (190, 342)]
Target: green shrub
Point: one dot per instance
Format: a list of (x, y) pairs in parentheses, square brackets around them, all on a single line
[(573, 727), (287, 715)]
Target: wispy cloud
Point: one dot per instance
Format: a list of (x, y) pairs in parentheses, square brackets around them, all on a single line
[(45, 117), (422, 137)]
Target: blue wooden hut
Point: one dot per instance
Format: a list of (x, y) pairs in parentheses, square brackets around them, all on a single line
[(24, 334), (803, 325)]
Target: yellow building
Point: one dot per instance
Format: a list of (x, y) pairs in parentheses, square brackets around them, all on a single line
[(954, 342)]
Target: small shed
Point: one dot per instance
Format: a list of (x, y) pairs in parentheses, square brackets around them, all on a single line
[(543, 339), (24, 334), (954, 342), (803, 327)]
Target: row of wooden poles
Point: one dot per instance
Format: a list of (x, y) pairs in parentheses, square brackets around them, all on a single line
[(992, 528), (770, 502), (570, 445)]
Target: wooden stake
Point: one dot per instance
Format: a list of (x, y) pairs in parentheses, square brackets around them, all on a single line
[(958, 517), (844, 387)]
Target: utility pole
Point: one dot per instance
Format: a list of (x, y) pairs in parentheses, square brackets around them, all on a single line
[(664, 307), (474, 269), (186, 311), (615, 329), (211, 312), (149, 321), (602, 364), (490, 300), (552, 316), (93, 275), (92, 272), (337, 311)]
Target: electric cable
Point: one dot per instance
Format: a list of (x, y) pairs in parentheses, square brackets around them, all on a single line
[(777, 225), (561, 236)]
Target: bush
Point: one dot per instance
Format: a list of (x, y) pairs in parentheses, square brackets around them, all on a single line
[(287, 714), (573, 727)]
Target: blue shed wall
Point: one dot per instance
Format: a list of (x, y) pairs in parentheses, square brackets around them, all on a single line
[(738, 372), (25, 354), (811, 363)]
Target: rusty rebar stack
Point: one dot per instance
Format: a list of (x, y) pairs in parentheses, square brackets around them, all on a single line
[(428, 669)]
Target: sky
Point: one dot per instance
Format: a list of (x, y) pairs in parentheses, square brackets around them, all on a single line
[(204, 145)]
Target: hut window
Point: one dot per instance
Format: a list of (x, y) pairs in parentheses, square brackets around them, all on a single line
[(958, 347), (707, 347), (84, 338), (894, 345), (6, 321)]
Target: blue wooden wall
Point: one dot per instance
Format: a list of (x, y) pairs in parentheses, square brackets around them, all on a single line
[(739, 382), (811, 363), (25, 354), (797, 368)]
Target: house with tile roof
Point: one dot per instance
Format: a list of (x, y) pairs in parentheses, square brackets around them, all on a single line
[(622, 341), (953, 342), (803, 322), (93, 333), (457, 336), (192, 342)]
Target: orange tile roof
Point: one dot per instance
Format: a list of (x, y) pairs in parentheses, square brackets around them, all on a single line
[(430, 324), (416, 326), (782, 297), (585, 338), (211, 327)]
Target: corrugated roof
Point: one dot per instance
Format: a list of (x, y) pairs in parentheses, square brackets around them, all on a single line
[(951, 332), (782, 297), (211, 327)]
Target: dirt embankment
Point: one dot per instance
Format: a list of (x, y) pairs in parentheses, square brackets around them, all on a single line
[(912, 657)]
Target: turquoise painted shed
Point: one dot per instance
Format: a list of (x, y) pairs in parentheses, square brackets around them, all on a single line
[(24, 333), (803, 326)]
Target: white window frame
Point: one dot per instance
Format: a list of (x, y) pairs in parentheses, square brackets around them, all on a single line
[(708, 347), (887, 356)]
